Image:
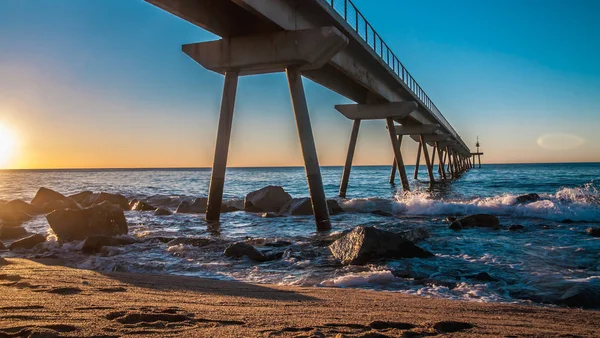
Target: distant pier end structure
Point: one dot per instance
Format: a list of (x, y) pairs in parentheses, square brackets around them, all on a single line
[(331, 43), (478, 153)]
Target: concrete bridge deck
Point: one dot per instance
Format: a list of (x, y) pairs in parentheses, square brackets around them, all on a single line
[(352, 60)]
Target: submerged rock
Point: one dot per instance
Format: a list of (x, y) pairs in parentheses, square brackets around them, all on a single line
[(241, 249), (116, 199), (450, 219), (582, 295), (267, 199), (95, 244), (363, 244), (197, 206), (594, 232), (77, 224), (516, 227), (141, 206), (12, 232), (28, 242), (528, 198), (483, 277), (162, 212), (478, 220)]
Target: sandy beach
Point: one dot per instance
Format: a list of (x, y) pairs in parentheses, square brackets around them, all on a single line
[(52, 300)]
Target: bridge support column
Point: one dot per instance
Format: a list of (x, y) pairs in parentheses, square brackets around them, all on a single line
[(479, 157), (417, 164), (427, 160), (217, 177), (441, 160), (349, 157), (397, 153), (394, 167), (309, 151)]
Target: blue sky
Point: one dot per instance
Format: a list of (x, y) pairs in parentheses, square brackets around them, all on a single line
[(104, 84)]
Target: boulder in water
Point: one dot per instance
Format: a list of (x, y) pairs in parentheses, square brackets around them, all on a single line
[(364, 244), (2, 247), (77, 224), (303, 206), (241, 249), (9, 217), (594, 232), (116, 199), (21, 206), (483, 277), (28, 242), (528, 198), (516, 227), (334, 207), (81, 196), (94, 244), (12, 232), (45, 195), (478, 220), (450, 219), (583, 295), (267, 199), (197, 206), (232, 205), (382, 213), (162, 212), (141, 206)]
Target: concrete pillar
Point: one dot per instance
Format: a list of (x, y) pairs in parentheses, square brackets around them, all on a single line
[(349, 157), (479, 157), (393, 172), (433, 154), (217, 178), (397, 153), (427, 160), (441, 157), (419, 146), (450, 164), (309, 151)]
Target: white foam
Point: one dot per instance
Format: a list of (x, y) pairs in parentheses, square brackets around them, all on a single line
[(360, 279)]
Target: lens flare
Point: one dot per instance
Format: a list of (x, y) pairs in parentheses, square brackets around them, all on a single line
[(560, 141), (7, 145)]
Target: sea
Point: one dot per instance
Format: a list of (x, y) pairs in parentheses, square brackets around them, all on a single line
[(536, 265)]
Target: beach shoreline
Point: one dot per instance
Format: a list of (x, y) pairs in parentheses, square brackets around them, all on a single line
[(42, 296)]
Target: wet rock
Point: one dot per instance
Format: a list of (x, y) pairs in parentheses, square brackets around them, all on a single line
[(196, 241), (197, 206), (116, 199), (382, 213), (159, 239), (483, 277), (270, 215), (364, 244), (303, 206), (95, 244), (516, 227), (77, 224), (2, 247), (567, 221), (28, 242), (451, 219), (81, 196), (278, 244), (45, 195), (13, 217), (60, 204), (334, 207), (232, 205), (12, 232), (582, 295), (593, 232), (241, 249), (141, 206), (267, 199), (20, 206), (528, 198), (478, 220), (162, 212)]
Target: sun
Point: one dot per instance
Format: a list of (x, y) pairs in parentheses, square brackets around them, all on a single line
[(7, 145)]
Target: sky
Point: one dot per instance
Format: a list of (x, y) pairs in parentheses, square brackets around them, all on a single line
[(104, 84)]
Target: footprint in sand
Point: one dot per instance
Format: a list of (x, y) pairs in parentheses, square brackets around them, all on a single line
[(112, 290), (65, 291), (37, 331), (451, 326)]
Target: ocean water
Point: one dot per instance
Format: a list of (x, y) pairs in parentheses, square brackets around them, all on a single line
[(535, 265)]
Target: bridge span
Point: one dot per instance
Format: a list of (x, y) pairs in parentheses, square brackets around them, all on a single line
[(331, 43)]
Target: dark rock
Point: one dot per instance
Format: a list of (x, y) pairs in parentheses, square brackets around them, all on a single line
[(196, 241), (382, 213), (232, 205), (241, 249), (12, 232), (479, 220), (270, 215), (28, 242), (334, 207), (594, 232), (567, 221), (451, 219), (13, 217), (516, 227), (141, 206), (528, 198), (162, 212), (197, 206), (81, 196), (278, 244), (483, 277), (22, 207), (94, 244), (45, 195), (363, 244), (116, 199), (582, 295), (297, 207), (2, 247), (271, 198), (104, 219), (60, 204)]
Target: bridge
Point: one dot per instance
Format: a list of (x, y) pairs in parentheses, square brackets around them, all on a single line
[(331, 43)]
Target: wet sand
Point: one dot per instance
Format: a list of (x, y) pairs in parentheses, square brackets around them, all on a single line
[(46, 298)]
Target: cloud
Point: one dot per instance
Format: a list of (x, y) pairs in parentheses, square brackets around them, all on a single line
[(560, 141)]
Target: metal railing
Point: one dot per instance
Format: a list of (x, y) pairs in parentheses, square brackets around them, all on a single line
[(348, 11)]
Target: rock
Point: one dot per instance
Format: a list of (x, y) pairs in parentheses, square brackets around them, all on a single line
[(141, 206), (516, 227), (94, 244), (197, 206), (334, 207), (528, 198), (197, 241), (13, 217), (232, 205), (2, 247), (479, 220), (241, 249), (77, 224), (28, 242), (582, 295), (12, 232), (303, 206), (60, 204), (81, 196), (270, 215), (363, 244), (567, 221), (483, 277), (271, 198), (450, 219), (22, 207), (593, 232), (162, 212), (116, 199), (45, 195), (382, 213)]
